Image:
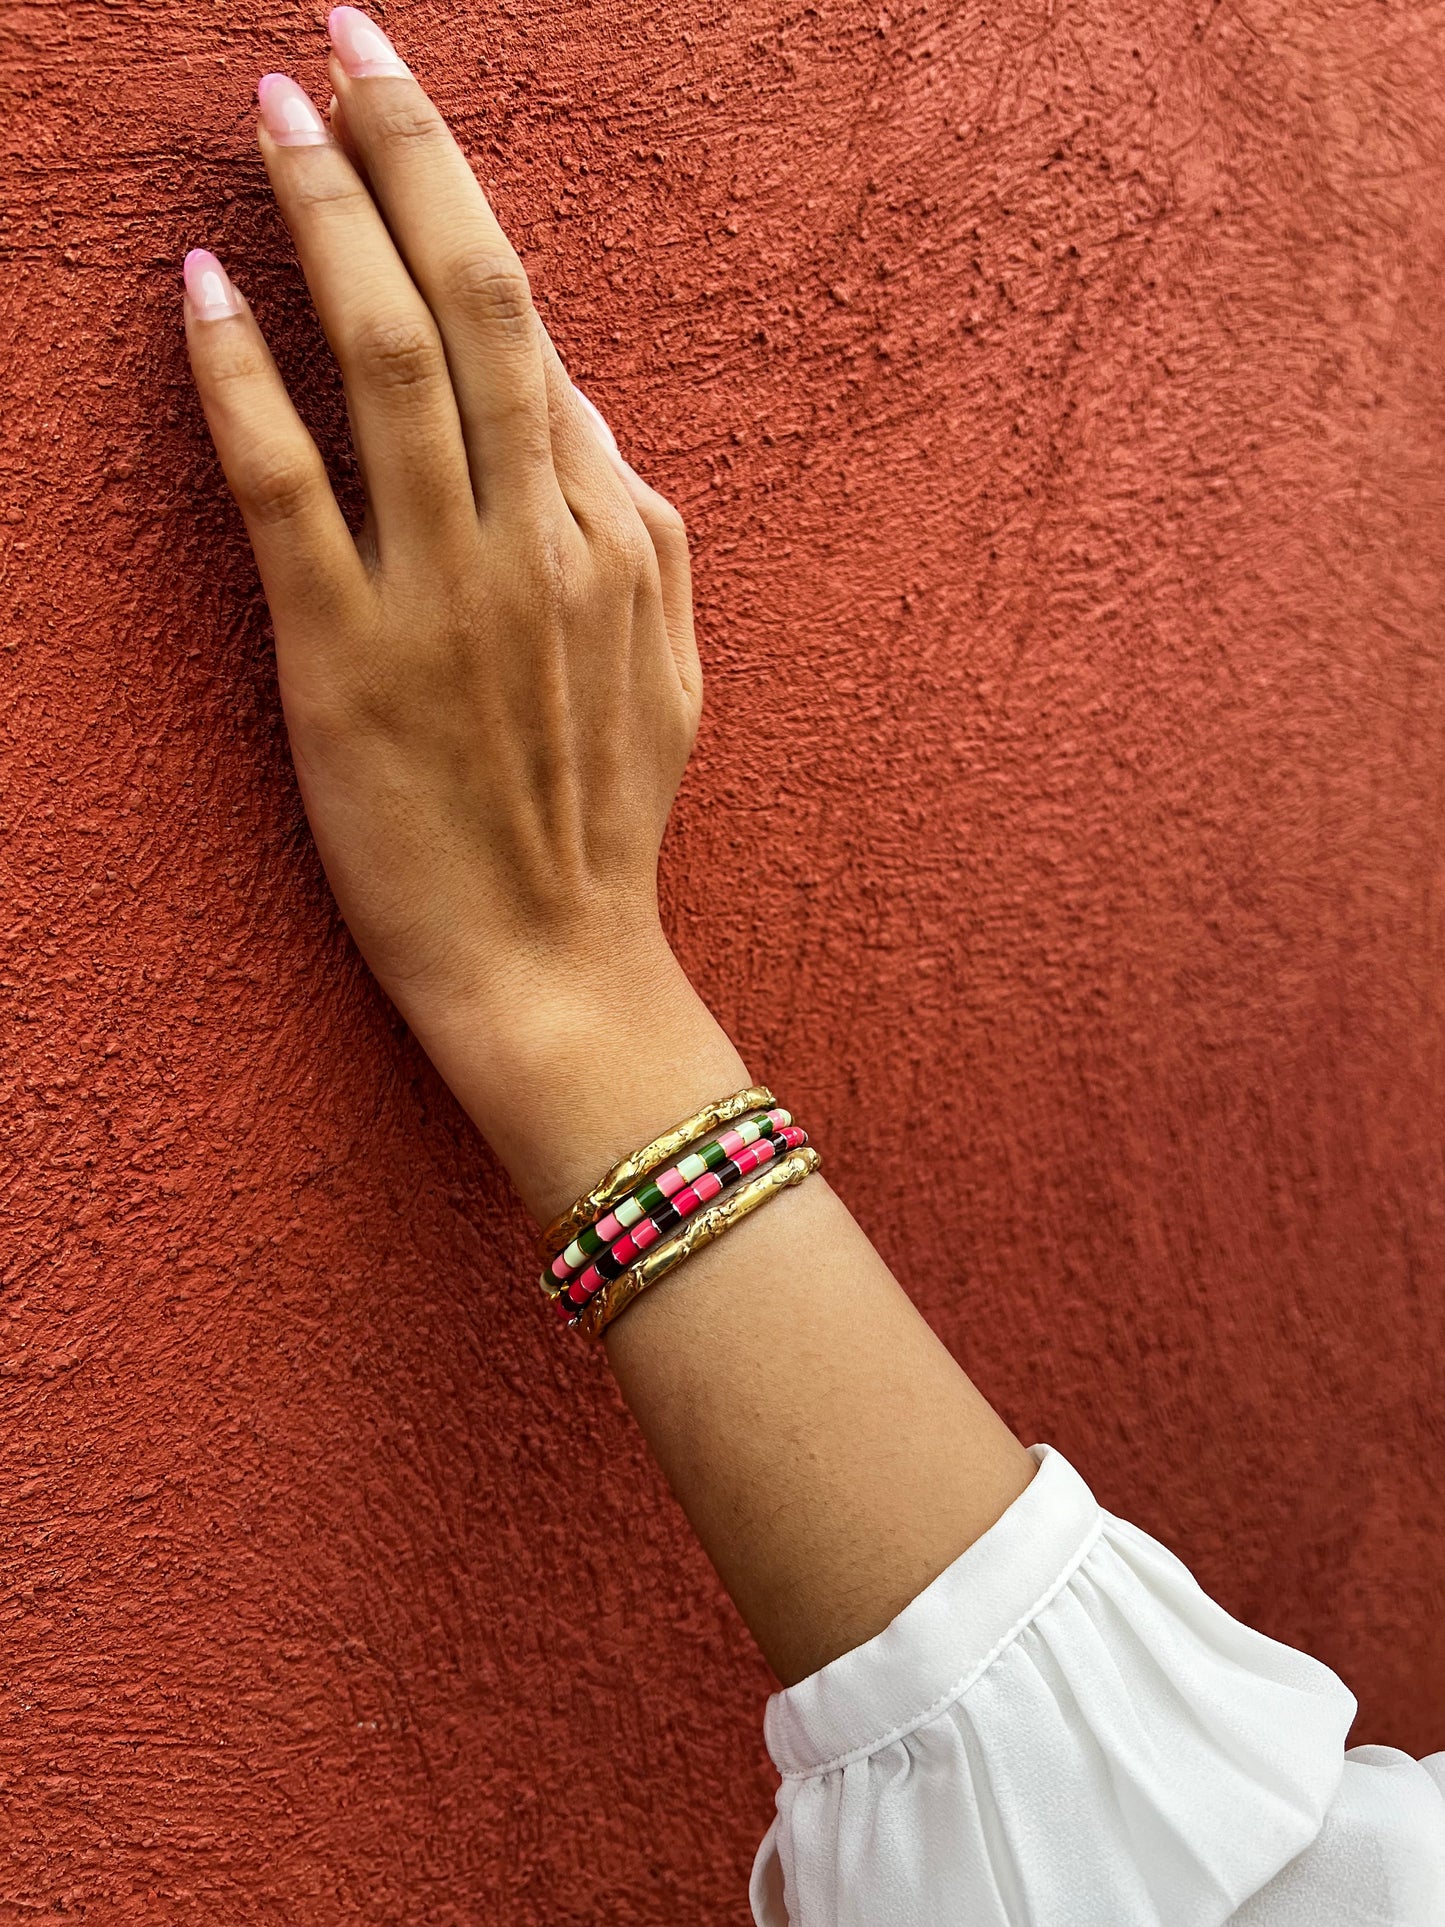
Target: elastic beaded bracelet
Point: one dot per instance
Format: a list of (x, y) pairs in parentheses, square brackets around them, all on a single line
[(672, 1212), (629, 1172), (700, 1230), (707, 1157)]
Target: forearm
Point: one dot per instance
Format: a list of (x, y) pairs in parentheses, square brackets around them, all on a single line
[(826, 1447), (830, 1453)]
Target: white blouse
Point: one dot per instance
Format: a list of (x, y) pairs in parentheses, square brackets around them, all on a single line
[(1063, 1730)]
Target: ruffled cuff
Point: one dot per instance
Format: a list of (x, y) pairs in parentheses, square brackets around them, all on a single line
[(1063, 1728)]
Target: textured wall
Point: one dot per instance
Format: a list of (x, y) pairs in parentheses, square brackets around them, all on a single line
[(1054, 390)]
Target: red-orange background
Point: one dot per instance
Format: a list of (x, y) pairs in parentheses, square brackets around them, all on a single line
[(1055, 394)]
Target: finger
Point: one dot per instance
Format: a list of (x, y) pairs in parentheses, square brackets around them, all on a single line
[(459, 257), (612, 503), (307, 559), (398, 392), (665, 525), (668, 534), (336, 122), (585, 458)]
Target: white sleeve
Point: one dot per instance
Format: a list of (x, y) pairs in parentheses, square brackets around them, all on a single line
[(1063, 1730)]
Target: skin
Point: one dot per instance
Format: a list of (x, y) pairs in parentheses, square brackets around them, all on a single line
[(491, 695)]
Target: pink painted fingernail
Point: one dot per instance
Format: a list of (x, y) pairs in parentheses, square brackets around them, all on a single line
[(208, 287), (596, 417), (288, 114), (361, 47)]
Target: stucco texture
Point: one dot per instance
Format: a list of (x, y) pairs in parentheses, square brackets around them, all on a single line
[(1055, 394)]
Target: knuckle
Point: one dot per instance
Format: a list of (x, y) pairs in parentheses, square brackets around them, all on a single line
[(669, 520), (276, 487), (556, 572), (396, 351), (241, 366), (405, 126), (494, 285), (527, 431), (624, 541), (324, 190)]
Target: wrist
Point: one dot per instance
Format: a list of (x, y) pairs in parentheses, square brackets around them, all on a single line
[(576, 1064)]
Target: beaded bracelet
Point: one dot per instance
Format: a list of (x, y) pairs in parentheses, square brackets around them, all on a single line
[(700, 1230), (596, 1237), (570, 1299), (629, 1172)]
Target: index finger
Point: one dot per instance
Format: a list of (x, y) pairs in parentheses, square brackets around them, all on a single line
[(453, 245)]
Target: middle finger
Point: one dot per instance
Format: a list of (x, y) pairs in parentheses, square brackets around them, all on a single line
[(462, 261)]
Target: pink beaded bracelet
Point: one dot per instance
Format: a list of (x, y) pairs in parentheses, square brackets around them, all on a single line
[(666, 1184), (571, 1300)]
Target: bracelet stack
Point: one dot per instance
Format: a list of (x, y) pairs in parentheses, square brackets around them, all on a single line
[(654, 1209)]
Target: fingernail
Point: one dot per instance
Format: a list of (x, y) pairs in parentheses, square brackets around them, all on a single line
[(208, 287), (288, 113), (597, 418), (361, 47)]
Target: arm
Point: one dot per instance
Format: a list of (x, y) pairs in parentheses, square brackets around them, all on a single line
[(491, 695), (826, 1447)]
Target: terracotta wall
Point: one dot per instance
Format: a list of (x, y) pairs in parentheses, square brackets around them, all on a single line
[(1055, 392)]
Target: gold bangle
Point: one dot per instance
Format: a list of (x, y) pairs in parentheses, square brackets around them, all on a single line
[(695, 1232), (623, 1177)]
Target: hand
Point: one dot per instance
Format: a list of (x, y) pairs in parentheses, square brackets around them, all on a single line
[(491, 693)]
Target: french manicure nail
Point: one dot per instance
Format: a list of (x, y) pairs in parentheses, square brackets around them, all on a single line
[(288, 113), (208, 287), (596, 417), (361, 47)]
